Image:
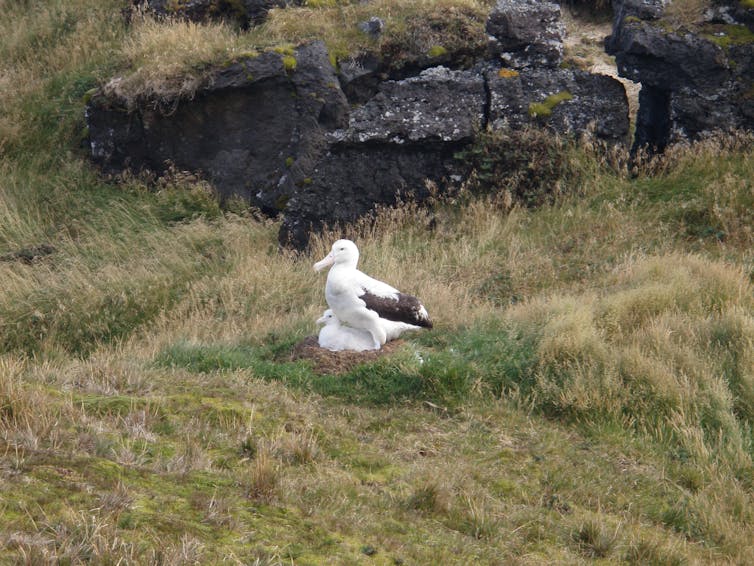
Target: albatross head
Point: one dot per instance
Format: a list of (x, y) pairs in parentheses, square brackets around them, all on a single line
[(342, 252), (327, 318)]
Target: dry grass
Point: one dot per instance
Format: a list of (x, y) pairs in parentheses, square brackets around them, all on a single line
[(686, 12), (169, 57), (617, 324)]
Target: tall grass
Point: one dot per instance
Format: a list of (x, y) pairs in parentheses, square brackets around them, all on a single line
[(586, 391), (170, 58)]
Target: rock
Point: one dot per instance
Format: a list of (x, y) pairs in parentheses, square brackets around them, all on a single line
[(361, 76), (372, 27), (642, 9), (650, 54), (254, 130), (526, 33), (244, 12), (570, 102), (350, 181), (695, 79), (438, 105), (278, 130), (405, 135)]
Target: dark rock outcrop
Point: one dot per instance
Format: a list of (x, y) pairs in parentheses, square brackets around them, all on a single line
[(403, 137), (286, 139), (439, 105), (526, 33), (642, 9), (255, 130), (570, 102), (410, 131), (695, 79), (351, 181)]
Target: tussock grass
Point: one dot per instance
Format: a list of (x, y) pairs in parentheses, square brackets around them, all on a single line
[(687, 13), (169, 59), (585, 393)]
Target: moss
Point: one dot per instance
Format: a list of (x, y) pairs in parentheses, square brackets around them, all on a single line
[(727, 36), (544, 109), (88, 95), (437, 51), (290, 63), (631, 20), (320, 3), (747, 3), (286, 50), (289, 161), (507, 73), (282, 202)]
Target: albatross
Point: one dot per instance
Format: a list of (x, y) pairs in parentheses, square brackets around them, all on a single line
[(363, 302), (336, 338)]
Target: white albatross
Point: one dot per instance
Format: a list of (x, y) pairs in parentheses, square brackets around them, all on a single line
[(361, 301), (336, 338)]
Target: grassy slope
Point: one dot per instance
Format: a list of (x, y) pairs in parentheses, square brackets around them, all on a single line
[(586, 394)]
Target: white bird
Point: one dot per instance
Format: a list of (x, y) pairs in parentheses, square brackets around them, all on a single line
[(335, 337), (394, 328), (361, 301)]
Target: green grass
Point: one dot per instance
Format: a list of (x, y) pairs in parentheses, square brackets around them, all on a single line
[(586, 393)]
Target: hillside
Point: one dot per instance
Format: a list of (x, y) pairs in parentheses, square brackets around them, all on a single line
[(586, 395)]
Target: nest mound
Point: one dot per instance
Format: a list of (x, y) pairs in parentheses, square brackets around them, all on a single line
[(337, 363)]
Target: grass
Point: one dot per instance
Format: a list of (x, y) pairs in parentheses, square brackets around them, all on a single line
[(585, 393)]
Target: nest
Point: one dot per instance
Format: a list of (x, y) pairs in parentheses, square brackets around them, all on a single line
[(337, 363)]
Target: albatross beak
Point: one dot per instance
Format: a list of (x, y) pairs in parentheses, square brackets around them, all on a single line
[(321, 320), (327, 262)]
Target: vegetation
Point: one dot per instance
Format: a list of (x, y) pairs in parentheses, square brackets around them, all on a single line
[(586, 393), (544, 109)]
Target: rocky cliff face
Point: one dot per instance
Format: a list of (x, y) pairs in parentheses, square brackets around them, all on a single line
[(287, 140), (254, 130), (696, 77)]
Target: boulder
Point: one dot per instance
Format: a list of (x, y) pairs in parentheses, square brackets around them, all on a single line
[(403, 137), (695, 79), (255, 128), (439, 105), (570, 102), (526, 33), (351, 181)]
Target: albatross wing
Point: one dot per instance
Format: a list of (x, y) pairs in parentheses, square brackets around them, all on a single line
[(403, 308)]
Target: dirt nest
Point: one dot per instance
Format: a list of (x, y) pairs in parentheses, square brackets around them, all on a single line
[(337, 363)]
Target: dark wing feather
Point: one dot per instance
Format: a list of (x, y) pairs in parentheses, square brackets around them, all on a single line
[(406, 309)]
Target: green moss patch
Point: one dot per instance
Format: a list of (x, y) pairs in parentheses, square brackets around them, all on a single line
[(727, 36), (544, 109), (437, 51)]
